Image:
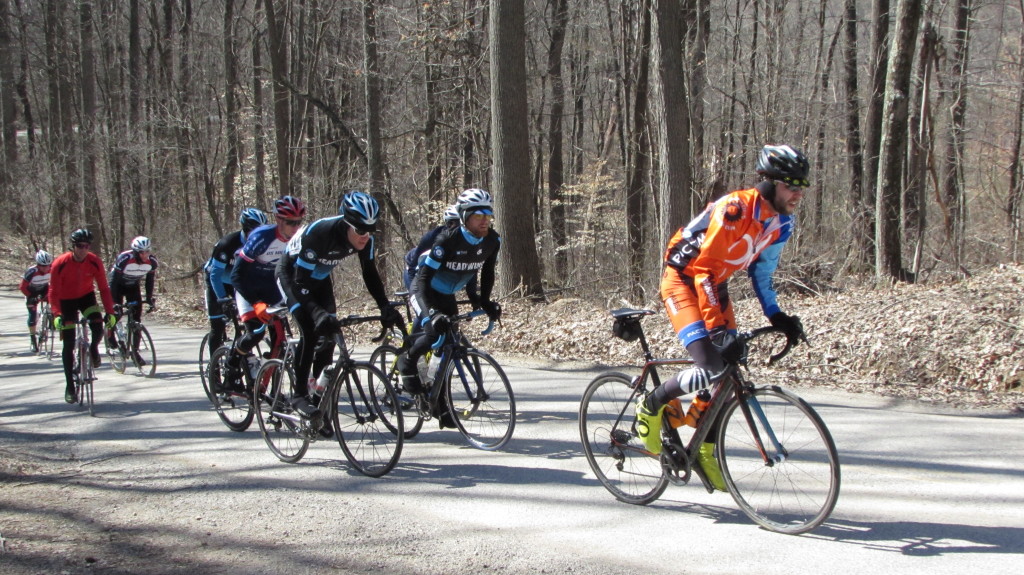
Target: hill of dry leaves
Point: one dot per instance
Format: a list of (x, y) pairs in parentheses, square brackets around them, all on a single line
[(957, 343)]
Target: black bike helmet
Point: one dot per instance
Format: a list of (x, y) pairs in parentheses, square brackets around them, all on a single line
[(81, 235), (251, 218), (784, 163)]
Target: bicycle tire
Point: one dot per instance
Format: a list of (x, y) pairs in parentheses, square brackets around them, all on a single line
[(84, 376), (368, 428), (614, 451), (234, 409), (43, 336), (203, 361), (480, 399), (50, 341), (383, 358), (118, 359), (145, 351), (278, 423), (797, 492)]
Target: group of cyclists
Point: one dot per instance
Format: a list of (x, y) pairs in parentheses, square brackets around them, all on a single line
[(268, 264), (69, 282)]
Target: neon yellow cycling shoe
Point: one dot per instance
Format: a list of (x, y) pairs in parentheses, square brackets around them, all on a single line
[(706, 458), (648, 425)]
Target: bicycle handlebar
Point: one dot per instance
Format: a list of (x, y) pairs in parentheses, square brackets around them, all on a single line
[(748, 336)]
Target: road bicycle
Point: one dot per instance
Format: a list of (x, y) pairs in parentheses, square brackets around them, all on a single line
[(233, 400), (45, 335), (468, 388), (134, 346), (83, 373), (358, 400), (777, 457)]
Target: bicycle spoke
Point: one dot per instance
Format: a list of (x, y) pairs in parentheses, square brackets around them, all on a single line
[(368, 427), (480, 400)]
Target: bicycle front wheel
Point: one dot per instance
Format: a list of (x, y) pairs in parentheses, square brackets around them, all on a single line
[(144, 355), (480, 400), (793, 485), (117, 356), (44, 346), (279, 424), (384, 358), (368, 427), (616, 454), (234, 408)]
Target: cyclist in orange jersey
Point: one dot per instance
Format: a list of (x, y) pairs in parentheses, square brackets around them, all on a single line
[(745, 229)]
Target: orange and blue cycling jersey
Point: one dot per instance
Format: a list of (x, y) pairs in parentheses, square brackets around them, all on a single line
[(739, 231)]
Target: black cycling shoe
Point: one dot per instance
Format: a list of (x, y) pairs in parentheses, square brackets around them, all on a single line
[(96, 361), (412, 384), (446, 420), (69, 395), (305, 408)]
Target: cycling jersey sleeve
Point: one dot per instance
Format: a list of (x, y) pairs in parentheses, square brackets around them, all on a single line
[(371, 277), (487, 275), (761, 271), (25, 282), (151, 278)]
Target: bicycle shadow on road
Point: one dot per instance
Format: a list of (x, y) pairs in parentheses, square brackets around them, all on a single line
[(923, 539)]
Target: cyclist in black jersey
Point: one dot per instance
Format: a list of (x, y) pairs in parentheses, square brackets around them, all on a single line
[(454, 260), (34, 285), (218, 273), (414, 257), (133, 269), (304, 275)]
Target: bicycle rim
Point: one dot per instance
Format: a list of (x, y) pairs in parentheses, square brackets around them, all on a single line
[(799, 489), (274, 412), (615, 454), (384, 358), (234, 409), (369, 430), (145, 351), (480, 400)]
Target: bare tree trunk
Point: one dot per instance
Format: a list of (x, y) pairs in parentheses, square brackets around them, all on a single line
[(374, 143), (953, 195), (915, 205), (859, 256), (510, 144), (556, 162), (90, 197), (227, 209), (258, 132), (671, 119), (61, 100), (878, 65), (282, 115), (7, 97), (1016, 194), (888, 262), (639, 161)]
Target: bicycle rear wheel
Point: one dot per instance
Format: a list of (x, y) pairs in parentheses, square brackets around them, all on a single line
[(480, 399), (234, 408), (278, 423), (383, 358), (368, 427), (615, 453), (796, 489), (143, 357)]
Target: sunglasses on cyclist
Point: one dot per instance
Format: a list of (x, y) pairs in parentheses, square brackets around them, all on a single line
[(359, 232), (82, 245), (293, 223)]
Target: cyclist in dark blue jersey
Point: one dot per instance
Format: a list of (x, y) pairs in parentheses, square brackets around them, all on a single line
[(255, 283), (304, 274), (218, 272), (457, 255)]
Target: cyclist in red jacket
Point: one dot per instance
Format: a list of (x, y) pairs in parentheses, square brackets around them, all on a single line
[(72, 279), (34, 284)]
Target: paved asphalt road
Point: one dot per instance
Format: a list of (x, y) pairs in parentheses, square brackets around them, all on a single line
[(924, 490)]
